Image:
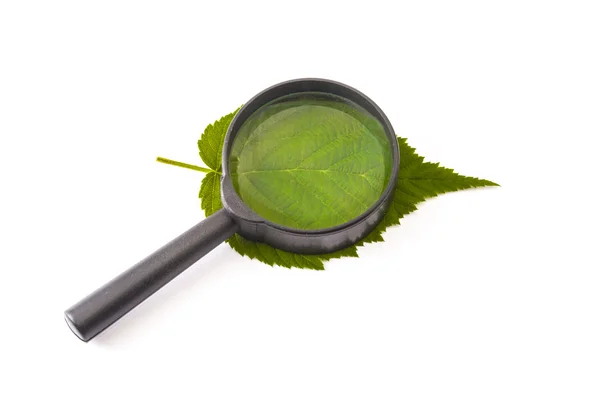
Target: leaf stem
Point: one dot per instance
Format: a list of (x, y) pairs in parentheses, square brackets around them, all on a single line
[(184, 165)]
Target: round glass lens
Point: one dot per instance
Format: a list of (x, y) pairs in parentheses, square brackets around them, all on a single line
[(310, 161)]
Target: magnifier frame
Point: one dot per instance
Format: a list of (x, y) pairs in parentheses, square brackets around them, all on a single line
[(256, 228)]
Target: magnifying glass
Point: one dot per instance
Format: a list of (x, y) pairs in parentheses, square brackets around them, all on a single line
[(308, 166)]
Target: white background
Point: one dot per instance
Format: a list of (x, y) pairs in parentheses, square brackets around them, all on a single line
[(491, 294)]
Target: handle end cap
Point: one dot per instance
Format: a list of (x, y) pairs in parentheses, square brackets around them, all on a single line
[(73, 326)]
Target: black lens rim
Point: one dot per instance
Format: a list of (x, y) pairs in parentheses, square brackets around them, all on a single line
[(255, 227)]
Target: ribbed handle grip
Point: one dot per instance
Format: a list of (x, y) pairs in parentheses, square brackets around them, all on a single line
[(112, 301)]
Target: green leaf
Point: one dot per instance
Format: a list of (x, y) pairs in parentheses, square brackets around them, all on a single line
[(418, 180), (310, 163)]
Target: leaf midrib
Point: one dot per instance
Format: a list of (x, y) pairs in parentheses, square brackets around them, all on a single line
[(365, 174)]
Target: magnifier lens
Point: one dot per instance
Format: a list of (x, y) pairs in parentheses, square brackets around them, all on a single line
[(310, 161)]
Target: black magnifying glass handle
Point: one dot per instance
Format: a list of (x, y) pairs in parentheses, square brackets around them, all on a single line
[(112, 301)]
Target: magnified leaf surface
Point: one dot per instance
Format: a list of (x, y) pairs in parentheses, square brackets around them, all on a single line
[(310, 163)]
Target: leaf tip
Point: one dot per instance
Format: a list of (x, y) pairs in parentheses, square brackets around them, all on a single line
[(489, 183)]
